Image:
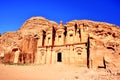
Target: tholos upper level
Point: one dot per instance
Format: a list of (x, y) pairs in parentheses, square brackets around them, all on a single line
[(63, 35)]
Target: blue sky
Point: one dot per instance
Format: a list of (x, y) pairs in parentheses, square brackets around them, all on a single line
[(13, 13)]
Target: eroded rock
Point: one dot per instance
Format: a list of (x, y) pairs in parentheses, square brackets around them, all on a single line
[(104, 40)]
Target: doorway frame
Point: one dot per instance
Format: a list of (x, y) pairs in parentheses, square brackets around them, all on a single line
[(59, 57)]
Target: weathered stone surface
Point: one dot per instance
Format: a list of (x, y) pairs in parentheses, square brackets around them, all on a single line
[(40, 41), (28, 49)]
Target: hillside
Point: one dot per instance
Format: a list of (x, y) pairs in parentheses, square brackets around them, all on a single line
[(104, 39)]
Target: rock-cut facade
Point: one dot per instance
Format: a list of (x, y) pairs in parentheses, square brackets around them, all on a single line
[(66, 44)]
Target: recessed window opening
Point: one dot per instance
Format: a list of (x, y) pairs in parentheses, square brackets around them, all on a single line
[(79, 53), (48, 39), (59, 36), (71, 35)]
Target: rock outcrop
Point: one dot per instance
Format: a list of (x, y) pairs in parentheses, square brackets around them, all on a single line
[(28, 49), (104, 41)]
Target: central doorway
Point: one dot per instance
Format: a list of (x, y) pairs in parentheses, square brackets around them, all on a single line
[(59, 57)]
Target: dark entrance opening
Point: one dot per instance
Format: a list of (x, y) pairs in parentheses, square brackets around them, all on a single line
[(59, 57)]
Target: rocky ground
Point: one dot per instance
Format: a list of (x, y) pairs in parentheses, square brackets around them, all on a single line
[(55, 72)]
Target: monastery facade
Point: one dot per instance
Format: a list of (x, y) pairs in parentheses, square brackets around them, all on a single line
[(65, 44)]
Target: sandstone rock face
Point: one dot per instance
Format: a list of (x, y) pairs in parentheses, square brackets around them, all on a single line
[(30, 43), (34, 25), (28, 49)]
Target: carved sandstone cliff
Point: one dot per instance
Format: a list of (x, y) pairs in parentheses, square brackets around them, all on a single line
[(104, 41)]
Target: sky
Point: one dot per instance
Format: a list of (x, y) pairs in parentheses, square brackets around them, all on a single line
[(13, 13)]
